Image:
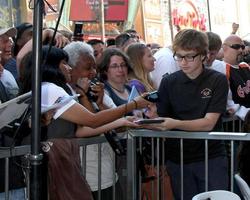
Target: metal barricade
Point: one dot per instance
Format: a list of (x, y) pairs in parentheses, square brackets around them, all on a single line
[(6, 153), (98, 142), (134, 180), (181, 135)]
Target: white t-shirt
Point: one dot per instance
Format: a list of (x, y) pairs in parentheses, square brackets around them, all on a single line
[(106, 160), (219, 66), (106, 166), (50, 93), (164, 63), (107, 101)]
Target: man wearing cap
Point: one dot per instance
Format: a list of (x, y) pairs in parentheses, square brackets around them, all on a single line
[(6, 76), (8, 90), (22, 35), (6, 43)]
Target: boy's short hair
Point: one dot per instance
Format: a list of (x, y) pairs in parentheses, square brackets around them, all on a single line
[(214, 41), (191, 39)]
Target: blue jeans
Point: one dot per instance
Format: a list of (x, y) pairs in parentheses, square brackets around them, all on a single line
[(17, 194), (194, 177)]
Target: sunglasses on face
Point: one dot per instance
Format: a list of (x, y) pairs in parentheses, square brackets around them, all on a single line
[(236, 46)]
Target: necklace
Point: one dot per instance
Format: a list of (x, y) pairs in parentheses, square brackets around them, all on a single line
[(121, 91)]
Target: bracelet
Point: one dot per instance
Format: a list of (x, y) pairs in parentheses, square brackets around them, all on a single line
[(136, 106), (126, 109)]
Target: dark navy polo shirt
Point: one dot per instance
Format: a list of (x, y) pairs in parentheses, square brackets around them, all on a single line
[(188, 99)]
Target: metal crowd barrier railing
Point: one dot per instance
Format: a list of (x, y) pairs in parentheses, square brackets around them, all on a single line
[(6, 153), (133, 190), (138, 135)]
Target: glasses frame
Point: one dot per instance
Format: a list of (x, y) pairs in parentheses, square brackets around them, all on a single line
[(116, 66), (191, 59)]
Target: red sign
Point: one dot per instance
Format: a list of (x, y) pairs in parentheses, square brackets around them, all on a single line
[(89, 10), (187, 16)]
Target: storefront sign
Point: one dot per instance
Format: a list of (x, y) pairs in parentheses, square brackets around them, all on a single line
[(89, 10), (186, 14)]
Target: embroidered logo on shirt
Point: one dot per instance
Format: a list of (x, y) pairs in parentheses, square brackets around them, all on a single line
[(244, 90), (206, 93)]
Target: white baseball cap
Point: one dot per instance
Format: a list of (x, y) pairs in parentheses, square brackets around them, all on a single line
[(11, 32)]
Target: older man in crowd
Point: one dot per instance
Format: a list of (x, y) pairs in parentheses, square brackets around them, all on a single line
[(211, 62), (9, 89), (237, 72), (6, 58)]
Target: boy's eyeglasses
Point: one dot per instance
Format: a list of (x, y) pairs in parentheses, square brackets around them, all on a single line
[(236, 46), (188, 58)]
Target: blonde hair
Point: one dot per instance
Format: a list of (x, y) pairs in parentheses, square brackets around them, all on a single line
[(136, 52)]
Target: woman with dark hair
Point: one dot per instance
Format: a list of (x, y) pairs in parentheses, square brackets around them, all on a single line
[(113, 70), (49, 70)]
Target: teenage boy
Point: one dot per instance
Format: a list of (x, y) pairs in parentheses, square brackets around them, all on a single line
[(193, 99)]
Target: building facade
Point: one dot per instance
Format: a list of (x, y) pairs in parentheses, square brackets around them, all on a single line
[(156, 20)]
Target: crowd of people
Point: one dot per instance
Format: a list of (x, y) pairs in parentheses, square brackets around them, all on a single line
[(196, 87)]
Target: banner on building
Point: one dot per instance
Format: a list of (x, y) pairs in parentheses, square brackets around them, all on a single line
[(190, 14), (89, 10)]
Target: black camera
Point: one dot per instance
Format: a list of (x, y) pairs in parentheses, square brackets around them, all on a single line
[(117, 144), (152, 97), (246, 58), (91, 94)]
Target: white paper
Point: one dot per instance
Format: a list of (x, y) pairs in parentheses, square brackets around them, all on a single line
[(134, 93)]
